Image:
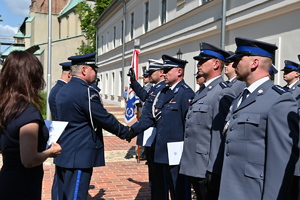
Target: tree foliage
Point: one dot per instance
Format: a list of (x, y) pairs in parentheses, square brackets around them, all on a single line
[(88, 16)]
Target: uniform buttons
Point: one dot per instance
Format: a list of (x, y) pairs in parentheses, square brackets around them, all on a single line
[(228, 141), (234, 116), (231, 129), (261, 176), (191, 108), (158, 134), (247, 119), (227, 154)]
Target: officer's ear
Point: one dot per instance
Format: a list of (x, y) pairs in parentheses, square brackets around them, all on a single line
[(83, 70)]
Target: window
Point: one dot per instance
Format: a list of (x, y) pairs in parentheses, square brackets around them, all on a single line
[(163, 11), (122, 31), (102, 44), (146, 16), (107, 41), (114, 42), (132, 25)]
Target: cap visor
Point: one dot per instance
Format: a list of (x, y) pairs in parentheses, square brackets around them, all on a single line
[(233, 57), (199, 57)]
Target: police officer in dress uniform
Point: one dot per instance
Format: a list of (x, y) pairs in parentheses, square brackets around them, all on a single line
[(236, 85), (295, 195), (204, 124), (65, 78), (168, 114), (82, 141), (158, 189), (261, 130), (291, 77)]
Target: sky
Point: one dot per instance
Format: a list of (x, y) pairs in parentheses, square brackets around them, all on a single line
[(13, 13)]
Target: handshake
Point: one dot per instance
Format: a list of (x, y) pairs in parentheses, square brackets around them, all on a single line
[(130, 135)]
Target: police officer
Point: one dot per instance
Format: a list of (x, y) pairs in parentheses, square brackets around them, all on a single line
[(236, 85), (295, 195), (65, 78), (82, 141), (204, 124), (261, 130), (291, 77), (168, 113), (158, 188)]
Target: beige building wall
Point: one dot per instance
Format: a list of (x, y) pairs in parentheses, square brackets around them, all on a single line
[(188, 24)]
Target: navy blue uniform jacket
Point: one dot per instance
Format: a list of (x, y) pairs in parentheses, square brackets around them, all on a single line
[(173, 105), (82, 145), (59, 84)]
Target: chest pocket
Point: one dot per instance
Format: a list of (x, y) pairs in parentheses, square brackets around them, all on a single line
[(200, 108), (172, 106), (250, 123), (150, 99)]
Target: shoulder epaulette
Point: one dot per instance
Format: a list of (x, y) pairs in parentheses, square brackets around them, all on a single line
[(185, 86), (224, 84), (278, 89)]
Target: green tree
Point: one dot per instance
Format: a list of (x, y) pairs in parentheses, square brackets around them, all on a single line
[(88, 16)]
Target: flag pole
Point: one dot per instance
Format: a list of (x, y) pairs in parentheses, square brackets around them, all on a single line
[(49, 57)]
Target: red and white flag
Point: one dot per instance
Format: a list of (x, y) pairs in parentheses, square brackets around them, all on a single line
[(132, 99)]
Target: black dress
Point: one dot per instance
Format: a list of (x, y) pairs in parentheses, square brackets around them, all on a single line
[(16, 181)]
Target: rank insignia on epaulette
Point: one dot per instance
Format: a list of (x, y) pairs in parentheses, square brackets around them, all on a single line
[(185, 86), (278, 89), (223, 84)]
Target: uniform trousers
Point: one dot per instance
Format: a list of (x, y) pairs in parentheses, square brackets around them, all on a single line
[(157, 177), (71, 184), (178, 184), (200, 187), (213, 185), (295, 188)]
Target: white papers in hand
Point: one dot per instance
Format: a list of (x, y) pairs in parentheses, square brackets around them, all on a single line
[(55, 130), (174, 152)]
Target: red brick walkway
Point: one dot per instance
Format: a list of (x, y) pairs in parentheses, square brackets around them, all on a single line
[(120, 179)]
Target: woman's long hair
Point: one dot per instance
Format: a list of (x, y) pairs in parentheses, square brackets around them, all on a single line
[(21, 79)]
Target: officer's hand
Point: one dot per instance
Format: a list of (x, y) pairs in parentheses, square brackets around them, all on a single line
[(131, 73), (130, 135)]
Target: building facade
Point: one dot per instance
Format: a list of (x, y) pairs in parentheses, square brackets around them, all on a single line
[(165, 27), (66, 34)]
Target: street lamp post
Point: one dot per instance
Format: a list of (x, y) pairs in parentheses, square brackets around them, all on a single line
[(179, 54)]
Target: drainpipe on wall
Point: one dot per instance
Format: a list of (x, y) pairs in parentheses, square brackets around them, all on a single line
[(223, 26), (123, 46)]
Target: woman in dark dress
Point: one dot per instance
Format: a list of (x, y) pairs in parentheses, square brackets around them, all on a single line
[(22, 129)]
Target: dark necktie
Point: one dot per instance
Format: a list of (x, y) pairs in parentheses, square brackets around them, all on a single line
[(201, 88), (245, 93)]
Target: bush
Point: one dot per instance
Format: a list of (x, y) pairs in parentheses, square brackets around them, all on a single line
[(44, 109)]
